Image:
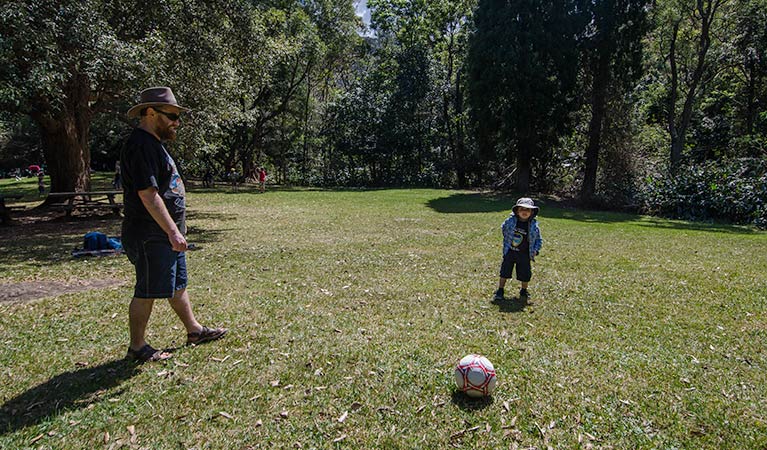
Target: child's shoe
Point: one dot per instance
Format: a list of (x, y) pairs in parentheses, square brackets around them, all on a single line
[(498, 295), (523, 294)]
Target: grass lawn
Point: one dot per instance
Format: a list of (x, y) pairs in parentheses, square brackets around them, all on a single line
[(349, 309)]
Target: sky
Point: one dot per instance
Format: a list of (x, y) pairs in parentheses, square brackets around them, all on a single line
[(361, 6)]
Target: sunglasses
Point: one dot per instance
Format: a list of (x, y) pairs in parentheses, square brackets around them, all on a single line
[(172, 116)]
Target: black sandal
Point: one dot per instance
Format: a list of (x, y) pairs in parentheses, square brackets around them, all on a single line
[(147, 353), (205, 335)]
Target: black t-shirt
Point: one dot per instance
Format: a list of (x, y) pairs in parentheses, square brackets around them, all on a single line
[(521, 242), (146, 163)]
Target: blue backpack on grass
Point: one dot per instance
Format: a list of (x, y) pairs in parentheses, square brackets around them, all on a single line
[(95, 240)]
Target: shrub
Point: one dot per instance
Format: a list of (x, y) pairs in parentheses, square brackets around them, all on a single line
[(733, 190)]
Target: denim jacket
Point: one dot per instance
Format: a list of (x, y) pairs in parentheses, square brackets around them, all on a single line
[(534, 235)]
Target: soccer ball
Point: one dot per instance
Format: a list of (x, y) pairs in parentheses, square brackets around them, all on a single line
[(475, 375)]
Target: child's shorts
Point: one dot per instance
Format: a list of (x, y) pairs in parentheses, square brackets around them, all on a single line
[(524, 269)]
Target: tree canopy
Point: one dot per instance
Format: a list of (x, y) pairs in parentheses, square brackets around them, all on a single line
[(599, 100)]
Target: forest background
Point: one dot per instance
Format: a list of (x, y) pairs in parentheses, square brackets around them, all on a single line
[(657, 106)]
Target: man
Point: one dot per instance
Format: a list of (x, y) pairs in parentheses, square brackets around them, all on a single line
[(154, 225)]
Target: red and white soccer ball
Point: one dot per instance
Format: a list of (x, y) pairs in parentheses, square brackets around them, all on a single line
[(475, 375)]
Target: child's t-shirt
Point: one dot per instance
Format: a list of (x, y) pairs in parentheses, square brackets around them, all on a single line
[(520, 242)]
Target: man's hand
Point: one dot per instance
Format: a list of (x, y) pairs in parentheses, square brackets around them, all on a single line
[(177, 241)]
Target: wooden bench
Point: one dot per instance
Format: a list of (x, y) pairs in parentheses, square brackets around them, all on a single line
[(5, 210), (72, 201)]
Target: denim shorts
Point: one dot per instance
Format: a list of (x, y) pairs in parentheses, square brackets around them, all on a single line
[(524, 269), (160, 271)]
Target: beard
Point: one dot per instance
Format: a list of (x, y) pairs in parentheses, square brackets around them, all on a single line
[(166, 133)]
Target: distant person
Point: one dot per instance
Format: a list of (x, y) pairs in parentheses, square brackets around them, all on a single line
[(40, 183), (262, 179), (117, 182), (155, 223), (234, 178), (207, 179), (521, 244)]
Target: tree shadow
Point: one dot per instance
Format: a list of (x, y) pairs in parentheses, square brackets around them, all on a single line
[(50, 241), (46, 239), (200, 235), (471, 203), (700, 226), (467, 403), (568, 210), (579, 215), (511, 305), (65, 392)]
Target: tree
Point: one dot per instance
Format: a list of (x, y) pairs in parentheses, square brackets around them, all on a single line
[(523, 60), (64, 62), (612, 44), (750, 43), (685, 31)]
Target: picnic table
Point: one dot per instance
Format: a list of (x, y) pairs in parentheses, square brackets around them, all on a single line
[(5, 210), (71, 201)]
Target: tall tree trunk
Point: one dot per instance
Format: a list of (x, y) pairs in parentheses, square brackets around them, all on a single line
[(706, 10), (305, 157), (65, 136), (460, 147), (524, 153), (601, 76), (751, 96)]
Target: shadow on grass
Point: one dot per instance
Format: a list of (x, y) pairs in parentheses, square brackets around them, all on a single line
[(200, 235), (554, 209), (471, 203), (700, 226), (467, 403), (68, 391), (511, 305), (52, 240)]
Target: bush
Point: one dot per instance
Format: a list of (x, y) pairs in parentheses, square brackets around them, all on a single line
[(733, 190)]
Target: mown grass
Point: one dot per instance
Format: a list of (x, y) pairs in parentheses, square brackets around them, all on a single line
[(640, 333)]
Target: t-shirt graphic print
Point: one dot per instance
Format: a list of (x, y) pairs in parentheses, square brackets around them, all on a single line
[(519, 241)]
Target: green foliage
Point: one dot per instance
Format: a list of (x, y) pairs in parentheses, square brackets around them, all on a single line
[(440, 93), (523, 63), (730, 190)]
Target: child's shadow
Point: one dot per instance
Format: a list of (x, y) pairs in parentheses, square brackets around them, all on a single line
[(511, 305)]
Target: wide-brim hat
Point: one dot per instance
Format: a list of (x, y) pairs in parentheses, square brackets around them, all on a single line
[(526, 202), (155, 96)]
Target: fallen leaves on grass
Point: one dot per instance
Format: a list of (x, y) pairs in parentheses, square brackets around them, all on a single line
[(463, 432)]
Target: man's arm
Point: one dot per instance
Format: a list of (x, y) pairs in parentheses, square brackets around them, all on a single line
[(154, 204)]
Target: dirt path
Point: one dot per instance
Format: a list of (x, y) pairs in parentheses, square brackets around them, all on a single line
[(31, 290)]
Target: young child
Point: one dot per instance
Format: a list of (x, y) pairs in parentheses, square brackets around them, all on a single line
[(40, 183), (521, 244)]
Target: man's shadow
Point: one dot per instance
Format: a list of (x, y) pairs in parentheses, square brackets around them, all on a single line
[(511, 305), (67, 391)]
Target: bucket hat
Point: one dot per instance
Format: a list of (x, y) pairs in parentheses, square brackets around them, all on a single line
[(528, 203), (155, 96)]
